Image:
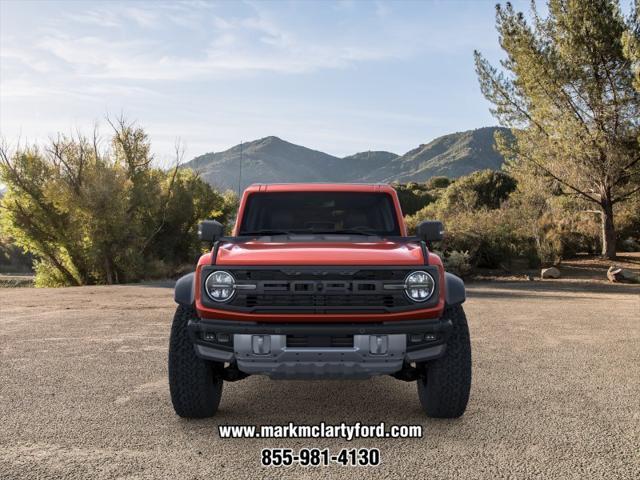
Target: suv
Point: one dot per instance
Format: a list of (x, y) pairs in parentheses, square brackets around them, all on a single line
[(319, 281)]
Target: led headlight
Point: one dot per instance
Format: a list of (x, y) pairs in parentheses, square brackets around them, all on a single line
[(220, 286), (419, 286)]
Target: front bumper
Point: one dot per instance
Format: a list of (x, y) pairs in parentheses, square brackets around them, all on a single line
[(363, 350)]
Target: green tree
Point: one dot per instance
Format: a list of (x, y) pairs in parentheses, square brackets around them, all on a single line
[(92, 215), (484, 188), (437, 182), (631, 40), (566, 90), (413, 196)]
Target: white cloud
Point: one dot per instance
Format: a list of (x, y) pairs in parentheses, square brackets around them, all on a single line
[(100, 17), (114, 16), (61, 67), (144, 18), (181, 42), (250, 44)]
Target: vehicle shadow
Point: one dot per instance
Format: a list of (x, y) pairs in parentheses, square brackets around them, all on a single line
[(259, 401)]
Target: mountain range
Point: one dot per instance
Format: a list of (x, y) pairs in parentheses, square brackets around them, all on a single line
[(273, 160)]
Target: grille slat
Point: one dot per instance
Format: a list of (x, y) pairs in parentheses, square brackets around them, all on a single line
[(388, 301)]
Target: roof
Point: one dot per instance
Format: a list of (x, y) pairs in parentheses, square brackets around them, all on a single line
[(320, 187)]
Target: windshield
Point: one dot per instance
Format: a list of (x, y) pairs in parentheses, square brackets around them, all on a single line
[(353, 213)]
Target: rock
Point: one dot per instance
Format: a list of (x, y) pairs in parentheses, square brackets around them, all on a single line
[(551, 272), (621, 275), (614, 274)]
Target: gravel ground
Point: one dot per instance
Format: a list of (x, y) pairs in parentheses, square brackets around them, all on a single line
[(556, 393)]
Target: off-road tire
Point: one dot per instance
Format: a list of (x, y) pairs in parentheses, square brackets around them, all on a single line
[(445, 383), (195, 384)]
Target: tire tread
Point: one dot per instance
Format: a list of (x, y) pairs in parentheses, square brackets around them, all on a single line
[(195, 387), (444, 393)]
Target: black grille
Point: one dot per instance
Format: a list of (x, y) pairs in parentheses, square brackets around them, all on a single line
[(319, 341), (322, 289), (297, 300)]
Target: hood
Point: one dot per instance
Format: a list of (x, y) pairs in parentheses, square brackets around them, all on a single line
[(374, 253)]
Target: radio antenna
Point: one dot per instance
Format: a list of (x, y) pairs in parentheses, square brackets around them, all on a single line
[(240, 171)]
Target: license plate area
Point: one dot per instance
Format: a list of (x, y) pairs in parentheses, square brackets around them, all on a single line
[(319, 341)]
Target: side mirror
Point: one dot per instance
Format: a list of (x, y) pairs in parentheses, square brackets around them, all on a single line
[(210, 230), (430, 231)]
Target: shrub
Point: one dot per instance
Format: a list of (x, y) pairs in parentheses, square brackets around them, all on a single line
[(91, 216), (479, 221), (458, 263), (485, 188), (490, 236), (12, 259), (435, 183), (413, 197)]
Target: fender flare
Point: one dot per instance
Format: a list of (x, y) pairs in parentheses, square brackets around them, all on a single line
[(455, 291), (184, 292)]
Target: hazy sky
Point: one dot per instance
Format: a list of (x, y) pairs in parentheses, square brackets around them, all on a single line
[(339, 77)]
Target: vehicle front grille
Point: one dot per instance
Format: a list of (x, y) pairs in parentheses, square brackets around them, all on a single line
[(321, 289)]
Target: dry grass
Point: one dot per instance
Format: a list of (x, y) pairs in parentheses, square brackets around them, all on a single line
[(582, 268)]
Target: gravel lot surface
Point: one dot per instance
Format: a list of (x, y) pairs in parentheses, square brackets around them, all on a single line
[(556, 393)]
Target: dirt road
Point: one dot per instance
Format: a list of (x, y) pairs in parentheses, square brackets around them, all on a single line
[(556, 393)]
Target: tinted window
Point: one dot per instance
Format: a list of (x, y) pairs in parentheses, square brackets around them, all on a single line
[(319, 212)]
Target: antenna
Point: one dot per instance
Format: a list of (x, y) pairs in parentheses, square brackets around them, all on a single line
[(240, 171)]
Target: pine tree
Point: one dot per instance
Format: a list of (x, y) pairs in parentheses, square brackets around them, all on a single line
[(566, 88)]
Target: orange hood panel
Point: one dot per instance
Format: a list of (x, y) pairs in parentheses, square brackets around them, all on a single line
[(320, 253)]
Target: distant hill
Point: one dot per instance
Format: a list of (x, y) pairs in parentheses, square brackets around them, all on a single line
[(268, 159), (354, 167), (452, 156), (272, 159)]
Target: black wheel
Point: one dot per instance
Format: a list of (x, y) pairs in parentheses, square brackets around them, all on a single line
[(445, 384), (195, 384)]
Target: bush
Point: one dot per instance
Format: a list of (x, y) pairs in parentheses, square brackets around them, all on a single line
[(485, 188), (480, 222), (91, 216), (47, 275), (628, 223), (13, 260), (413, 197), (491, 237), (435, 183), (457, 262)]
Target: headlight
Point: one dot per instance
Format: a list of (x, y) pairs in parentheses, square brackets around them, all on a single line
[(419, 286), (220, 286)]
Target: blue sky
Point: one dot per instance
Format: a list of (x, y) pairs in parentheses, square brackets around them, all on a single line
[(339, 77)]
